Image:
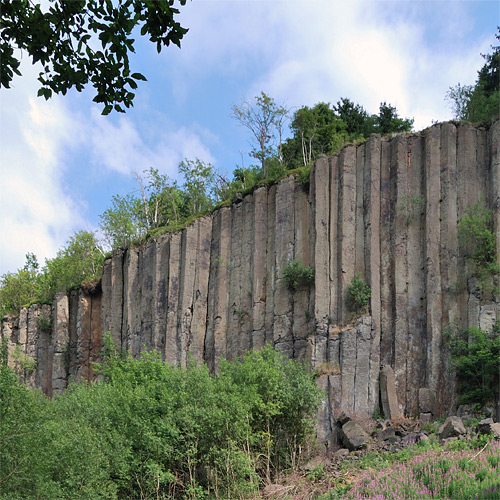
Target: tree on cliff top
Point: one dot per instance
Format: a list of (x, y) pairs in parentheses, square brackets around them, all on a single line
[(266, 120), (479, 102), (65, 39)]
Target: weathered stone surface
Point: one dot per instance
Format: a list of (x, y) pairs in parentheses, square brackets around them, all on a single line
[(452, 427), (353, 436), (425, 418), (342, 453), (324, 428), (487, 426), (426, 400), (384, 434), (399, 165), (388, 395)]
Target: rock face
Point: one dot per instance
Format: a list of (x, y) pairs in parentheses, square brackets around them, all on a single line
[(386, 209)]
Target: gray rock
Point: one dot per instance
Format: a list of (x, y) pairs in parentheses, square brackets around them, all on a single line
[(387, 433), (487, 426), (353, 436), (452, 427), (411, 438), (343, 452), (388, 395), (426, 400), (425, 418)]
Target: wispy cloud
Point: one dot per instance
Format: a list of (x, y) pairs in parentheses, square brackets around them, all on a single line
[(121, 146), (36, 213)]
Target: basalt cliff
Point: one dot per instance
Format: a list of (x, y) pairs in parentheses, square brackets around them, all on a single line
[(386, 209)]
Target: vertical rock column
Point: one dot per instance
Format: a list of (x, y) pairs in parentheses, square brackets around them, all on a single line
[(217, 321), (284, 252), (189, 247), (468, 194), (303, 312), (131, 320), (246, 275), (333, 234), (59, 349), (432, 255), (174, 266), (371, 209), (147, 297), (360, 253), (259, 270), (387, 207), (347, 226), (399, 165), (320, 196), (196, 347), (448, 253), (160, 293), (270, 264), (112, 297), (235, 311), (415, 365), (37, 347)]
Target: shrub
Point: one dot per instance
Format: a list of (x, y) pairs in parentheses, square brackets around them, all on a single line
[(358, 295), (476, 238), (149, 430), (296, 275), (476, 357)]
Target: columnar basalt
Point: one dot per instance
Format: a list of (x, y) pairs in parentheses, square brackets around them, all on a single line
[(386, 209)]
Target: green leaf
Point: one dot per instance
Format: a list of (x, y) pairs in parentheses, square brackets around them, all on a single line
[(139, 76), (107, 109)]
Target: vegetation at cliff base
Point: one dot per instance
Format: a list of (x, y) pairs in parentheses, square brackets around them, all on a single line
[(476, 358), (460, 471), (149, 430)]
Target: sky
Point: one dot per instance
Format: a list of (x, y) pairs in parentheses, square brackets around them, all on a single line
[(61, 161)]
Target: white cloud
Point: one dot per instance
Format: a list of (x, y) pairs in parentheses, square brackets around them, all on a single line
[(125, 147), (405, 53), (36, 212)]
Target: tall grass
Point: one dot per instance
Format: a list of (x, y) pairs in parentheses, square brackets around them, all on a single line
[(470, 474)]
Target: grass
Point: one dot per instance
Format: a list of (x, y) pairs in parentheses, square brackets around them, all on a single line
[(457, 472)]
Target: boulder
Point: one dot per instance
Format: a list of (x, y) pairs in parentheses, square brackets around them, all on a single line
[(410, 438), (487, 426), (452, 427), (386, 433), (342, 453), (353, 436)]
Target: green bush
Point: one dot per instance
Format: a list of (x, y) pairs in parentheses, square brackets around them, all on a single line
[(149, 430), (476, 357), (476, 238), (296, 275), (358, 295)]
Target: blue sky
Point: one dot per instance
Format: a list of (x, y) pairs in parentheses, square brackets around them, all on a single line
[(61, 161)]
